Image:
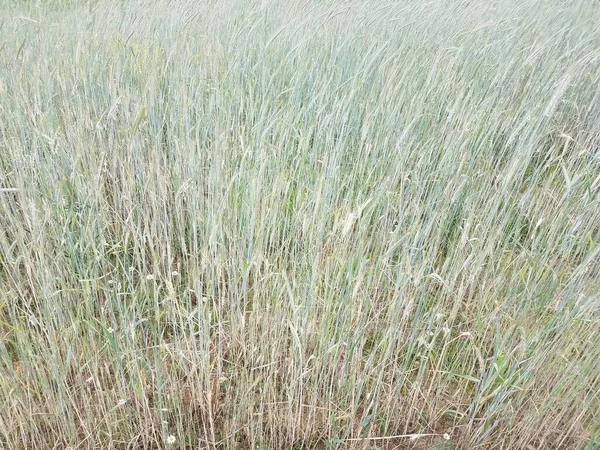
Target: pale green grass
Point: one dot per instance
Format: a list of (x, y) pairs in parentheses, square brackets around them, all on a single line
[(286, 225)]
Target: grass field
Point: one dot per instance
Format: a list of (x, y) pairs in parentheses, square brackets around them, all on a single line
[(286, 225)]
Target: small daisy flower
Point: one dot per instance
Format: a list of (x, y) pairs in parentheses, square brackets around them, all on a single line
[(171, 439), (174, 273), (446, 436), (150, 277), (110, 330)]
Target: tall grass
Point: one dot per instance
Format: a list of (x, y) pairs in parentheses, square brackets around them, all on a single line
[(287, 225)]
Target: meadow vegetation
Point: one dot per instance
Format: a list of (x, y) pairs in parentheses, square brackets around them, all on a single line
[(245, 224)]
